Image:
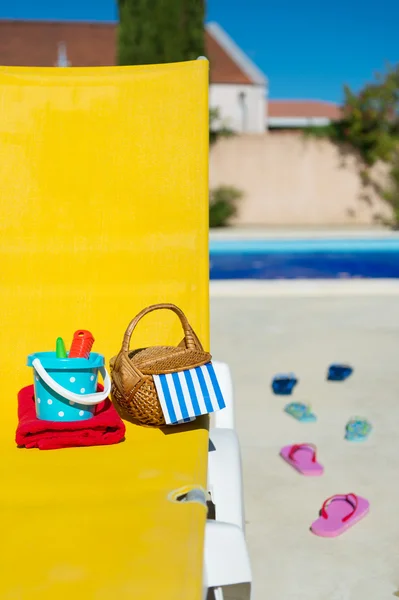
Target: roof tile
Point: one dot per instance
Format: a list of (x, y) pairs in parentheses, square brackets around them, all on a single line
[(222, 66), (35, 43), (304, 109)]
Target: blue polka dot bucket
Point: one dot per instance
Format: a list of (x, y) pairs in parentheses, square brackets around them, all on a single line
[(65, 388)]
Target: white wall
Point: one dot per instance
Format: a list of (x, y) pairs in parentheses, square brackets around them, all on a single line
[(241, 107), (290, 179)]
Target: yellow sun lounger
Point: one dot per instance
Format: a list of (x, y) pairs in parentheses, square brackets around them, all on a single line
[(104, 202), (103, 179)]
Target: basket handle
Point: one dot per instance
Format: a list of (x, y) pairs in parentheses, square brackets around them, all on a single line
[(191, 340)]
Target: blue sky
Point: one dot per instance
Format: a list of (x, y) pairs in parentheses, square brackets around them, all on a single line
[(307, 48)]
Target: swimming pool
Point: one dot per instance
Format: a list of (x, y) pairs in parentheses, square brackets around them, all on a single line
[(305, 258)]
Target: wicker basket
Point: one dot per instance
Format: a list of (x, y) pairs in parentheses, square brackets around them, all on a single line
[(133, 387)]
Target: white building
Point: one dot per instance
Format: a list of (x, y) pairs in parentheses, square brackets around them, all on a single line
[(238, 88)]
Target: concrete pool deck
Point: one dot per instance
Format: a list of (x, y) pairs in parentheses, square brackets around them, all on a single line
[(305, 288), (304, 330)]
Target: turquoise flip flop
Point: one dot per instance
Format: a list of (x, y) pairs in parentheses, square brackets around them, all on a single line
[(301, 412), (357, 429)]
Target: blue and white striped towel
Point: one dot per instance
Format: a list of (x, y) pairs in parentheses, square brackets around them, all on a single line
[(188, 394)]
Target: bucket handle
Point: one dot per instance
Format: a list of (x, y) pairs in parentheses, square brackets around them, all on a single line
[(87, 399)]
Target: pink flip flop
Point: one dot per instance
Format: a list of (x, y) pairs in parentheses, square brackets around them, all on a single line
[(303, 458), (338, 513)]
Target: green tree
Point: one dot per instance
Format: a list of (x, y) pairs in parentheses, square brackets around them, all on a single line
[(160, 31), (370, 125)]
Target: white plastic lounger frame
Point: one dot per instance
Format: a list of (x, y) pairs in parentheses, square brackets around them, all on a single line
[(226, 561), (224, 419)]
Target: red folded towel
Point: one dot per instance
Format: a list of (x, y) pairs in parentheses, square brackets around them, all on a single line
[(105, 428)]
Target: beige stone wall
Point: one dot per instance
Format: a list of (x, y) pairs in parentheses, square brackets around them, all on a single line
[(291, 180)]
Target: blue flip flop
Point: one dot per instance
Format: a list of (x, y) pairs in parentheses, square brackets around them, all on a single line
[(301, 412), (357, 430), (283, 384), (339, 372)]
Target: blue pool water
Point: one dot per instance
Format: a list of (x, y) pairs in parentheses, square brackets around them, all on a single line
[(304, 259)]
